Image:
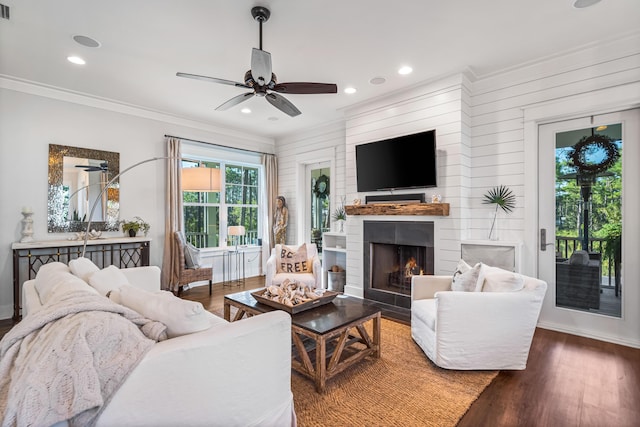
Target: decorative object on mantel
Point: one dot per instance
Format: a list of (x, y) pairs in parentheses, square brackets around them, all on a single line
[(340, 215), (436, 198), (357, 202), (503, 198), (132, 227), (27, 225), (438, 209)]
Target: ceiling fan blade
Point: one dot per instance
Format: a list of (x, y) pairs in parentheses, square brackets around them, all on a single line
[(213, 80), (305, 88), (235, 101), (261, 66), (282, 104)]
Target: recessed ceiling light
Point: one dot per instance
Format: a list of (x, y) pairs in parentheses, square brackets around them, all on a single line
[(405, 70), (350, 90), (581, 4), (86, 41), (245, 110), (377, 80), (76, 60)]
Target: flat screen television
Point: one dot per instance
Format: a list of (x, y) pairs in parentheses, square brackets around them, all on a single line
[(403, 162)]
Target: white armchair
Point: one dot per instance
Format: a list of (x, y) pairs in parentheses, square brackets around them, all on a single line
[(313, 278), (474, 330)]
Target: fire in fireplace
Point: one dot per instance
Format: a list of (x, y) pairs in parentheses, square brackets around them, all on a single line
[(393, 266), (394, 251)]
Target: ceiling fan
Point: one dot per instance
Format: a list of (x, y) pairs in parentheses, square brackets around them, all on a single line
[(261, 79), (102, 167)]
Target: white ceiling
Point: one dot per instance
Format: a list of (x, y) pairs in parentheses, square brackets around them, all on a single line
[(347, 42)]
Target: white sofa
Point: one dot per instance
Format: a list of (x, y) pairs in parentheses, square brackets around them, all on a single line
[(478, 329), (230, 374)]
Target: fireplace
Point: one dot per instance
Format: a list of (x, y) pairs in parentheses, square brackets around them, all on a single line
[(394, 251)]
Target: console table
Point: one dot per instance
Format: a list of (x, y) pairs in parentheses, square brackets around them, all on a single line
[(122, 252)]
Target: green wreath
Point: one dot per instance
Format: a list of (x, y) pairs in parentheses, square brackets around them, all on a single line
[(321, 187), (577, 154)]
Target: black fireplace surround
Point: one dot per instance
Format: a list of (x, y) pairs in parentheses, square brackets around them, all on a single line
[(412, 237)]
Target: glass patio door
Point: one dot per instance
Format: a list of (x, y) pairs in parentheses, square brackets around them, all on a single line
[(584, 185)]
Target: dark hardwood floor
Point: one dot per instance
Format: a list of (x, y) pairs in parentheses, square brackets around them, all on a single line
[(569, 380)]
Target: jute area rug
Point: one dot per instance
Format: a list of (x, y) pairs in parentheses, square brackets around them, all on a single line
[(402, 388)]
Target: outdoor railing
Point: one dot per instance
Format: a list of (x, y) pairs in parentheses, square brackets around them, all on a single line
[(199, 240)]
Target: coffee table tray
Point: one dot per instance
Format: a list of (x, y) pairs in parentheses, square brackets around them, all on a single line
[(326, 298)]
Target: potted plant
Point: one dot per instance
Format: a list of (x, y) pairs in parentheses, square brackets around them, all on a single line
[(503, 198), (133, 226), (340, 215)]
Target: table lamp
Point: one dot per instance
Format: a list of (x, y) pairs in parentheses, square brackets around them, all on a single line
[(236, 231)]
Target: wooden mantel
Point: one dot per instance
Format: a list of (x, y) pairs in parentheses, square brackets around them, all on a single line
[(441, 209)]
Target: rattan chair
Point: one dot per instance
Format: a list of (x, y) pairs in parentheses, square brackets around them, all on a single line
[(190, 274)]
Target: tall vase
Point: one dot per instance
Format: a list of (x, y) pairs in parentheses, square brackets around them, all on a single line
[(493, 228), (341, 226)]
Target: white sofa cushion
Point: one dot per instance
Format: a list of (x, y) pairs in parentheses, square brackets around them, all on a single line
[(55, 279), (425, 310), (494, 279), (108, 279), (465, 279), (83, 268), (180, 316)]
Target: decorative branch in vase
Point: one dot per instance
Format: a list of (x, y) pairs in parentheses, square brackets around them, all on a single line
[(503, 198)]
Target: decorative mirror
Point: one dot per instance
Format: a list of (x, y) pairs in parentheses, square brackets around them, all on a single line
[(77, 178)]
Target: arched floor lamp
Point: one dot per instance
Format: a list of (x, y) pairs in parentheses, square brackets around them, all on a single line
[(193, 179)]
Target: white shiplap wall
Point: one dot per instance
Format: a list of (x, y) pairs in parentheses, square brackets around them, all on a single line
[(483, 141), (290, 150), (443, 106)]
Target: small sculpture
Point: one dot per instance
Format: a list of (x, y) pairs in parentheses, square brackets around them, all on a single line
[(280, 220)]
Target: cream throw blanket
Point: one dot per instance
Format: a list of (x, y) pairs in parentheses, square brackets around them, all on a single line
[(65, 361)]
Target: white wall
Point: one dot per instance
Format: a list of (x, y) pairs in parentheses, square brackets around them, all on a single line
[(31, 118)]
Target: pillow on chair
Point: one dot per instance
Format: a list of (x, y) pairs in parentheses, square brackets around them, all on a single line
[(465, 279), (83, 268), (293, 261), (191, 256), (494, 279)]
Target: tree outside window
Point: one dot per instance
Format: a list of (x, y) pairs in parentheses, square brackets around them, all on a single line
[(208, 214)]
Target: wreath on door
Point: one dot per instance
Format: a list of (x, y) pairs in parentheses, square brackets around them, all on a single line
[(321, 187), (578, 154)]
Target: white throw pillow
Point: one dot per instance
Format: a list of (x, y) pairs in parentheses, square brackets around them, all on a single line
[(180, 316), (293, 260), (465, 279), (108, 279), (191, 256), (83, 268), (494, 279), (55, 278)]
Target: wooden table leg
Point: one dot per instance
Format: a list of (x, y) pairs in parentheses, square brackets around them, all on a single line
[(227, 311), (376, 336), (321, 364)]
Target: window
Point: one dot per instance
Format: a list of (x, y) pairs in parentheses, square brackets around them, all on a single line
[(208, 214)]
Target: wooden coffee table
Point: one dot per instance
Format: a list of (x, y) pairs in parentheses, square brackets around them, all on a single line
[(327, 339)]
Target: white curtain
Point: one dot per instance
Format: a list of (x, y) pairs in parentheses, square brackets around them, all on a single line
[(270, 163), (173, 216)]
